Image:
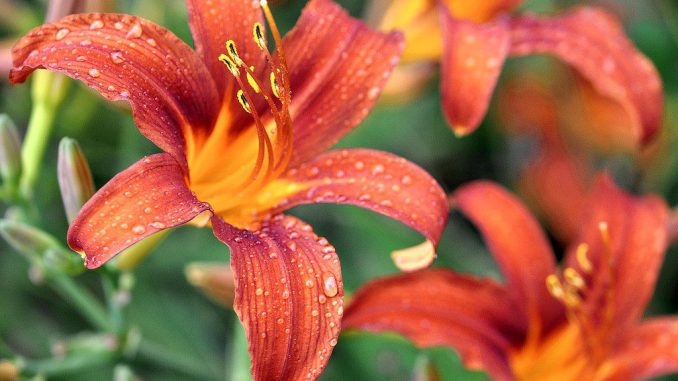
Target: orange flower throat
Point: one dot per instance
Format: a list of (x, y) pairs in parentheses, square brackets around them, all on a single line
[(230, 167), (579, 348)]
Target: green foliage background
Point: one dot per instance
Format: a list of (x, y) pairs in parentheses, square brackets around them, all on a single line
[(195, 333)]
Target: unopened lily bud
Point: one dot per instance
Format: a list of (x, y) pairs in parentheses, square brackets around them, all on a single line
[(63, 260), (10, 151), (9, 371), (124, 373), (75, 178), (26, 239), (214, 279)]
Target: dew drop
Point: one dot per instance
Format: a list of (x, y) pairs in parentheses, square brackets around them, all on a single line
[(94, 73), (148, 210), (406, 180), (322, 299), (81, 58), (285, 294), (259, 292), (280, 320), (61, 34), (85, 43), (96, 24), (138, 229), (135, 31), (309, 283), (157, 225), (315, 313), (152, 42), (330, 287), (117, 57), (333, 342), (127, 194)]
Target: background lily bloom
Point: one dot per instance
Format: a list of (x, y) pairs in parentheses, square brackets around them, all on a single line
[(241, 149), (582, 322), (477, 38)]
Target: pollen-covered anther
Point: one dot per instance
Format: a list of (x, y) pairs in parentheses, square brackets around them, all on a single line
[(243, 101), (573, 278), (583, 258), (258, 33), (253, 83), (233, 52), (555, 287), (226, 60), (275, 87), (571, 297)]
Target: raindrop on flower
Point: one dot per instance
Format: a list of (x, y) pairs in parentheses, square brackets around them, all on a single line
[(138, 229), (61, 34), (94, 73), (330, 287)]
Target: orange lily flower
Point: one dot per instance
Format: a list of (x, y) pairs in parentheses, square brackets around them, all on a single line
[(240, 149), (579, 323), (477, 38)]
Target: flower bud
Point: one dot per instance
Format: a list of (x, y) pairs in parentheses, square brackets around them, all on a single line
[(10, 152), (26, 239), (214, 279), (75, 178)]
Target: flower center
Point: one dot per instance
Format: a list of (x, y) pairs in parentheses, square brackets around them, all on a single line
[(256, 155), (578, 349)]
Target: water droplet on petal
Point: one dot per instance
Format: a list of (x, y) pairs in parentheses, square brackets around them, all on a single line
[(333, 342), (152, 42), (157, 225), (117, 57), (309, 283), (138, 229), (330, 287), (61, 34), (285, 294), (127, 194), (259, 292), (96, 24), (322, 299), (94, 73), (135, 31)]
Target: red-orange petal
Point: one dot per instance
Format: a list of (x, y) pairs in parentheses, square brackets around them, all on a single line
[(473, 55), (648, 350), (517, 243), (438, 307), (149, 196), (289, 296), (593, 42), (374, 180), (338, 67), (213, 22), (127, 58), (637, 242)]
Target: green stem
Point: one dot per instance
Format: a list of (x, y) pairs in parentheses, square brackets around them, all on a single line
[(160, 355), (70, 365), (33, 150), (239, 355), (85, 302)]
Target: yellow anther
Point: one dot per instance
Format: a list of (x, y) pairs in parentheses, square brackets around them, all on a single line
[(571, 297), (583, 258), (243, 101), (573, 278), (554, 287), (252, 82), (258, 33), (229, 64), (233, 52), (275, 87)]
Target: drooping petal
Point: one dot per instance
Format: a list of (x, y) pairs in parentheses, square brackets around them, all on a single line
[(374, 180), (338, 67), (473, 55), (438, 307), (149, 196), (517, 243), (625, 266), (213, 22), (647, 351), (594, 43), (289, 296), (127, 58)]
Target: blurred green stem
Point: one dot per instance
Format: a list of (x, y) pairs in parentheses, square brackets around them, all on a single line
[(48, 91), (160, 355), (69, 365), (85, 302), (240, 357)]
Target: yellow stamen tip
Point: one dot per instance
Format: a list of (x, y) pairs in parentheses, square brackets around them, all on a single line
[(554, 286), (252, 82), (258, 33), (229, 64), (573, 278), (233, 52), (583, 259), (275, 87), (243, 101)]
